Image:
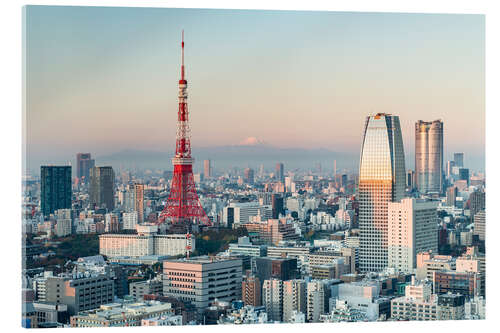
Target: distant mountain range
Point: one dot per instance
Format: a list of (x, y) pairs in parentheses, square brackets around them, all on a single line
[(241, 156)]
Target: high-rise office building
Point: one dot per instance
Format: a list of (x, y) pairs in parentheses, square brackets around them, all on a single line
[(429, 156), (480, 225), (463, 174), (102, 187), (449, 168), (139, 201), (207, 169), (412, 229), (84, 163), (458, 158), (280, 173), (410, 179), (278, 207), (276, 268), (261, 171), (201, 280), (249, 176), (477, 202), (381, 180), (451, 196), (55, 192)]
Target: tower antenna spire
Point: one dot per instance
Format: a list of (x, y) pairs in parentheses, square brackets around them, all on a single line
[(182, 65)]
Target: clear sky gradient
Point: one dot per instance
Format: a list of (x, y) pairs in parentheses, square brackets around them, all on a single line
[(101, 79)]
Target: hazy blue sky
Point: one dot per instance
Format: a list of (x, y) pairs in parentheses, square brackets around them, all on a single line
[(105, 79)]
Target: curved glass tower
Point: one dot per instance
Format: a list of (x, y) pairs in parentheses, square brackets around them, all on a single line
[(429, 156), (381, 180)]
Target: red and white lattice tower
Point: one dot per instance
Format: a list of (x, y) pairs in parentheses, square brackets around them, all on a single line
[(183, 207)]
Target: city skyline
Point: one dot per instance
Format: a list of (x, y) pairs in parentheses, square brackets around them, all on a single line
[(97, 94)]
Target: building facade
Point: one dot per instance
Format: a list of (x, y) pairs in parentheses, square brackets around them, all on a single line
[(55, 191), (201, 280), (381, 180), (84, 163), (429, 156), (102, 187), (412, 229)]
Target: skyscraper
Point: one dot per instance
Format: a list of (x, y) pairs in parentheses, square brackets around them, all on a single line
[(449, 168), (280, 174), (249, 175), (102, 187), (381, 180), (278, 206), (84, 163), (477, 202), (463, 174), (139, 202), (429, 156), (451, 196), (55, 188), (458, 158), (207, 169)]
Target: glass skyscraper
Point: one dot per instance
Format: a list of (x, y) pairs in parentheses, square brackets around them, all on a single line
[(102, 187), (381, 180), (429, 156), (55, 188)]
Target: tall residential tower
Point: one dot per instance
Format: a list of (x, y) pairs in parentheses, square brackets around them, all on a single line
[(381, 180), (429, 156)]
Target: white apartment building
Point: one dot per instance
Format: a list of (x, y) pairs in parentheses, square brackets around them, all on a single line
[(130, 220), (315, 300), (272, 299), (412, 228), (63, 227), (294, 300), (147, 242), (241, 212)]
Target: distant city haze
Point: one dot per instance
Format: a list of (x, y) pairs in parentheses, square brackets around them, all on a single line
[(104, 81)]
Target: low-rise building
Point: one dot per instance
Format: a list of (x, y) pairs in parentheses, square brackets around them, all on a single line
[(145, 243), (464, 283), (429, 262), (149, 287), (418, 303), (121, 314), (451, 307)]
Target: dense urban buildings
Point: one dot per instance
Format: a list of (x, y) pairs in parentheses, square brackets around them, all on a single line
[(381, 180), (189, 244), (429, 156)]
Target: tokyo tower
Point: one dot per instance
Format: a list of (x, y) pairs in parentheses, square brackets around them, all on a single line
[(183, 208)]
